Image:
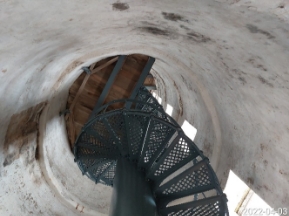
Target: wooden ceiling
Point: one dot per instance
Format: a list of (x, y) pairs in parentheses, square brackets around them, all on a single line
[(85, 91)]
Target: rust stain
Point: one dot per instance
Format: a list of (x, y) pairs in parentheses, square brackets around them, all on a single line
[(22, 127)]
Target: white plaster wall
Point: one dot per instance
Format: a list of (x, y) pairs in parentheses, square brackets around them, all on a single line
[(222, 68)]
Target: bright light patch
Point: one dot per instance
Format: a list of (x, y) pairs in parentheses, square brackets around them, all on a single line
[(189, 130), (242, 200), (159, 100), (169, 110), (235, 190)]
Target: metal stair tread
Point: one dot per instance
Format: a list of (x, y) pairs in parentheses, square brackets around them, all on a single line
[(147, 136)]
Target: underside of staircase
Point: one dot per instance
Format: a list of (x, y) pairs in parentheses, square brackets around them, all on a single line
[(131, 131)]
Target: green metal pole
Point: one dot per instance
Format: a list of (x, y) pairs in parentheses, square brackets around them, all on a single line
[(132, 195)]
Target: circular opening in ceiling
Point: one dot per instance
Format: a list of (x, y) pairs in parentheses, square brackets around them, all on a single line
[(97, 82)]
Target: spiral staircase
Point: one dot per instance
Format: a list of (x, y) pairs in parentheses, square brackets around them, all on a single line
[(180, 178)]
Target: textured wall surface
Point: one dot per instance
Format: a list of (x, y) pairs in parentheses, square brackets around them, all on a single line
[(222, 65)]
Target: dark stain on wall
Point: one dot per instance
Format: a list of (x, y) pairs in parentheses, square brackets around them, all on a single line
[(174, 17), (188, 84), (180, 100), (243, 80), (207, 148), (184, 27), (22, 128), (197, 37), (120, 6), (155, 30), (250, 180), (282, 5), (257, 62), (261, 67), (254, 29), (264, 81), (9, 159)]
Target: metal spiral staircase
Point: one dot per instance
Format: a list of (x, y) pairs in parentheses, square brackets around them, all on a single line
[(144, 154)]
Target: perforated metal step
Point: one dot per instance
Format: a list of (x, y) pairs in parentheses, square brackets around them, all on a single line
[(181, 177)]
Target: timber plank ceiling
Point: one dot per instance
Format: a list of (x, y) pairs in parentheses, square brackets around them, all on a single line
[(85, 91)]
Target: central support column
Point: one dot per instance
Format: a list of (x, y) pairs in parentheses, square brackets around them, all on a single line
[(132, 195)]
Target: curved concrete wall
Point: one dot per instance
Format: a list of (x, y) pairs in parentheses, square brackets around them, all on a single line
[(223, 69)]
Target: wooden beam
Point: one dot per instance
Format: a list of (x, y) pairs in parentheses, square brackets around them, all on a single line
[(104, 65), (86, 79), (71, 122), (78, 93)]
